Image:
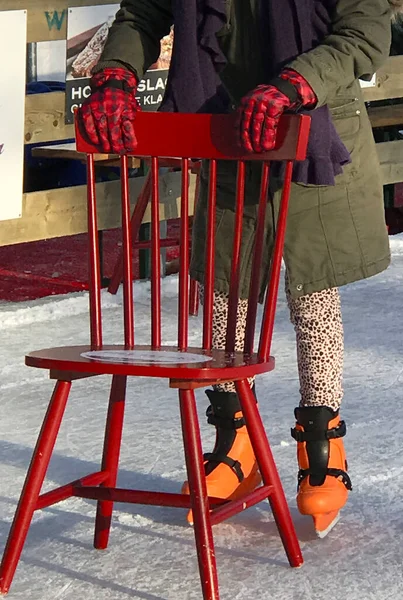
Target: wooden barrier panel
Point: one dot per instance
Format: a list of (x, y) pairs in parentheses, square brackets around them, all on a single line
[(63, 211), (386, 116), (389, 85), (391, 160), (389, 81)]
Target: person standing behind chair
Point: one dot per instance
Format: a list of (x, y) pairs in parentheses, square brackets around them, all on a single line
[(262, 58)]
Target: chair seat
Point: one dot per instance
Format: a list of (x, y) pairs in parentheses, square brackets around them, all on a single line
[(168, 362)]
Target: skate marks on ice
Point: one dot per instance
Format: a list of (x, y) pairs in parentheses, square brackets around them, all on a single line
[(151, 554)]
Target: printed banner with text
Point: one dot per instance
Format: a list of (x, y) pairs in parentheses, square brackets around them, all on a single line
[(87, 32)]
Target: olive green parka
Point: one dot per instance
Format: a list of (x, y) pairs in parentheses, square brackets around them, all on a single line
[(335, 234)]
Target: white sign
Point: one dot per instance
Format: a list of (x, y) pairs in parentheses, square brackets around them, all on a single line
[(13, 51)]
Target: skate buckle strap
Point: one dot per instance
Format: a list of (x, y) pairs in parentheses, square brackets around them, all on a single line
[(338, 473), (222, 422), (235, 465), (319, 435)]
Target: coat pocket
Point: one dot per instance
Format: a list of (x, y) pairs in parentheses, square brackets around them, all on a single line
[(346, 118)]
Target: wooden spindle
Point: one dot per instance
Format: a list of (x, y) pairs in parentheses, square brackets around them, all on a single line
[(255, 281), (94, 258), (236, 261), (183, 301), (209, 259), (155, 258), (266, 333), (128, 305)]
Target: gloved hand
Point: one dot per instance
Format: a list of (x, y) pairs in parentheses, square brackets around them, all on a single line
[(107, 116), (261, 109)]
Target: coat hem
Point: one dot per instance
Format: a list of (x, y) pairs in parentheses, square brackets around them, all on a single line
[(364, 272), (339, 279)]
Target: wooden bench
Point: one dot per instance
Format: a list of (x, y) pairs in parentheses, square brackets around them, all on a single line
[(68, 152)]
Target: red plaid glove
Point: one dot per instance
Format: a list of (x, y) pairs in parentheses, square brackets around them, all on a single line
[(107, 116), (261, 109)]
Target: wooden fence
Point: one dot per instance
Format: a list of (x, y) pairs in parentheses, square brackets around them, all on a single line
[(62, 211)]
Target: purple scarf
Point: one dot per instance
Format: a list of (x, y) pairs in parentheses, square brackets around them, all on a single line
[(291, 27)]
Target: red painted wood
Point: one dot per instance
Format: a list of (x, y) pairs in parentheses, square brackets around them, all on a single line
[(128, 306), (221, 366), (155, 257), (229, 509), (193, 298), (236, 261), (164, 243), (255, 281), (94, 259), (266, 333), (198, 495), (209, 259), (171, 163), (208, 136), (183, 298), (268, 470), (211, 137), (110, 458), (67, 491), (145, 497), (135, 224), (194, 285)]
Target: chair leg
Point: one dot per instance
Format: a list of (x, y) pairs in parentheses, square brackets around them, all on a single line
[(269, 473), (33, 484), (198, 495), (110, 458)]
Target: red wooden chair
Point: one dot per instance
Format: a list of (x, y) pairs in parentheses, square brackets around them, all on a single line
[(185, 368), (135, 223)]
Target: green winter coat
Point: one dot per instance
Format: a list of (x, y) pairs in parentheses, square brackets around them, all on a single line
[(335, 234)]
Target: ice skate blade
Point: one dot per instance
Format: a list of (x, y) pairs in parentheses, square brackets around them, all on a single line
[(324, 523)]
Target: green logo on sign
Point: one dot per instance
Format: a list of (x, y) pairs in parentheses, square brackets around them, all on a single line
[(55, 19)]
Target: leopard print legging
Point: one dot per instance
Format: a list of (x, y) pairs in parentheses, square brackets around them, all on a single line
[(319, 334)]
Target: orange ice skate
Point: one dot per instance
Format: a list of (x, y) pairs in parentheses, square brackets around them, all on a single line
[(231, 468), (323, 482)]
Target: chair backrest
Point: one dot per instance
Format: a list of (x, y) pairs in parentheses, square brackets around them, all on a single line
[(212, 137)]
